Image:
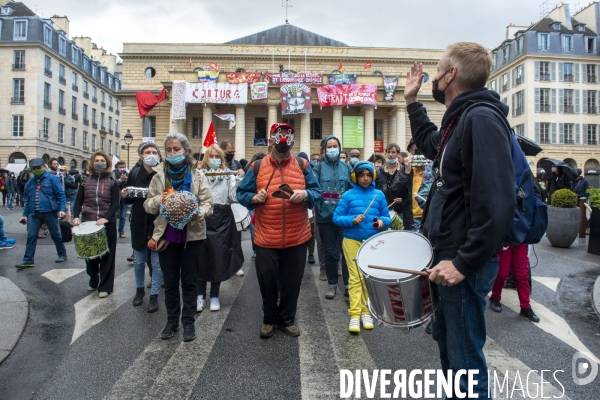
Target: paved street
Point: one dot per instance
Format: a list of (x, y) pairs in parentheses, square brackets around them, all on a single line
[(77, 346)]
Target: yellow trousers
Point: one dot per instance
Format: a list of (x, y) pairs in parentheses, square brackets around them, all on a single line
[(356, 283)]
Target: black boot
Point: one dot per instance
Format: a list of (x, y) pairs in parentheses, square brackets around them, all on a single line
[(153, 303), (169, 330), (189, 333), (529, 314), (139, 295), (495, 305)]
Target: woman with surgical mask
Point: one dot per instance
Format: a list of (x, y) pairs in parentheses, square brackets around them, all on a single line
[(222, 256), (98, 200), (387, 174)]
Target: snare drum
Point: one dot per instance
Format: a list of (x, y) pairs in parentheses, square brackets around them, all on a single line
[(397, 299), (396, 224), (241, 216), (136, 192), (90, 240)]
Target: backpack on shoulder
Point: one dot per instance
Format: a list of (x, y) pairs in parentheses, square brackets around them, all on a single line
[(531, 213)]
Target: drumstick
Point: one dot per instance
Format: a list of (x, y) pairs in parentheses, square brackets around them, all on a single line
[(406, 271), (421, 197), (365, 213), (392, 203)]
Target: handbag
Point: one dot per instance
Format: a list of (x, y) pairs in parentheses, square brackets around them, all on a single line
[(65, 231), (157, 246)]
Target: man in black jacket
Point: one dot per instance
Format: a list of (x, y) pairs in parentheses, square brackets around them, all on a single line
[(142, 225), (465, 237)]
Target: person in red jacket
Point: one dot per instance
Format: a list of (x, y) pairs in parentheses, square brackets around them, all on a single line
[(281, 187)]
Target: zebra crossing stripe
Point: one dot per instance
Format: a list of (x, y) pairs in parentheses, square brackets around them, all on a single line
[(551, 283), (60, 275)]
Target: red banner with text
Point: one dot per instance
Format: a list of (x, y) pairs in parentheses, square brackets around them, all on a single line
[(341, 95)]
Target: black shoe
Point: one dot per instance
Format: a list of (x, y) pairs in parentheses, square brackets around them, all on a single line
[(495, 305), (139, 295), (346, 294), (529, 314), (153, 303), (428, 328), (189, 333), (311, 259), (24, 265), (169, 330)]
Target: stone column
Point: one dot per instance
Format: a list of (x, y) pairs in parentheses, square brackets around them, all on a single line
[(369, 148), (272, 116), (386, 132), (181, 125), (393, 134), (401, 128), (337, 123), (207, 113), (304, 133), (240, 131)]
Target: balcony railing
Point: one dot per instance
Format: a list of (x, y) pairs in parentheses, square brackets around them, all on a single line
[(518, 80), (110, 131), (569, 141), (569, 109), (591, 78), (75, 116), (505, 88), (86, 95), (47, 105), (117, 134), (593, 141), (519, 110), (110, 108), (18, 67), (94, 100), (103, 128), (62, 79), (86, 121), (94, 125), (62, 110), (48, 72), (75, 88), (592, 110), (118, 112), (544, 77), (568, 78), (17, 100), (544, 141), (103, 104), (544, 107)]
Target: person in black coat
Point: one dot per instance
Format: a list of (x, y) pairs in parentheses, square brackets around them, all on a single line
[(395, 183), (142, 225), (558, 180)]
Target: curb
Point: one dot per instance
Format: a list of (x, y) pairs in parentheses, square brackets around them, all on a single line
[(14, 308), (596, 295)]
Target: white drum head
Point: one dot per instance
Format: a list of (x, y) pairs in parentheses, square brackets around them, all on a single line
[(396, 249), (87, 228), (239, 212), (392, 214)]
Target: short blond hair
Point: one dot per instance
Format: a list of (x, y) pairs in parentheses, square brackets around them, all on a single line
[(473, 62)]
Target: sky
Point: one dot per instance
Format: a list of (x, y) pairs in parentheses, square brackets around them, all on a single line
[(425, 24)]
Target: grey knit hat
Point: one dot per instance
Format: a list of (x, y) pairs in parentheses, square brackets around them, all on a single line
[(147, 144)]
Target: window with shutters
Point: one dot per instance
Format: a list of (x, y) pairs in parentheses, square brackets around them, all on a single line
[(569, 134), (519, 45), (20, 30), (17, 126), (492, 85), (47, 102), (590, 45), (568, 72), (149, 126), (62, 45), (19, 60), (18, 91), (520, 102), (505, 82), (519, 78), (520, 130), (543, 42), (84, 141), (545, 100), (316, 128), (591, 73), (592, 134), (61, 102), (47, 35), (544, 133), (61, 132), (93, 143), (568, 102), (197, 128), (505, 54), (591, 102), (544, 71), (567, 43)]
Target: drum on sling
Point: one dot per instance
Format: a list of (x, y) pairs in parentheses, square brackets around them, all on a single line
[(397, 299), (241, 216), (90, 240)]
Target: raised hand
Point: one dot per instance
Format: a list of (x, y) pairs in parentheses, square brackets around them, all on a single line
[(413, 83)]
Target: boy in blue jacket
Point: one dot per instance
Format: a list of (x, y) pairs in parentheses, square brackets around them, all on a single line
[(360, 224)]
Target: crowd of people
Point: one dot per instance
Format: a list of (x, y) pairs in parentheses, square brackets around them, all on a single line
[(330, 203)]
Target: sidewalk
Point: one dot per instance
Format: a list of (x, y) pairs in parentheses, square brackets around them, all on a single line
[(596, 295), (14, 308)]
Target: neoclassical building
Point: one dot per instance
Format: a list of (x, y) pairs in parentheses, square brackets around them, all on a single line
[(287, 48)]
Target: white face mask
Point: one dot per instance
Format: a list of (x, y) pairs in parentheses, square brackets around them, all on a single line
[(151, 160)]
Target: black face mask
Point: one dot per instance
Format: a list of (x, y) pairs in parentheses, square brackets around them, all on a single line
[(283, 148), (229, 157), (439, 95)]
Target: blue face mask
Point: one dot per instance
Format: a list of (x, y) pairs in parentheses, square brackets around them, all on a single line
[(354, 160), (215, 164), (332, 153), (392, 160), (176, 159)]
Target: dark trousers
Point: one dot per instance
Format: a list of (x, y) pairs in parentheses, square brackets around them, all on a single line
[(179, 263), (105, 265), (283, 267), (331, 236), (214, 288)]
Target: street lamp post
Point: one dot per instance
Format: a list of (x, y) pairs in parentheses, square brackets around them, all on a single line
[(128, 140)]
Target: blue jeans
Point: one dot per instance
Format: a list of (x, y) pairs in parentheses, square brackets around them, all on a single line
[(139, 266), (22, 197), (71, 200), (122, 215), (459, 325), (331, 237), (34, 223), (9, 200), (2, 234)]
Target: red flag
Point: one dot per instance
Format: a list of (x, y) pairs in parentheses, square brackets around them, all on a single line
[(190, 62), (147, 100), (340, 66), (215, 66), (368, 64), (211, 136)]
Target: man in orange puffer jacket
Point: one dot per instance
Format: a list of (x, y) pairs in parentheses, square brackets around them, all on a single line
[(281, 187)]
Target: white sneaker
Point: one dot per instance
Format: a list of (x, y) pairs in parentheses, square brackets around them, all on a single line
[(214, 304), (240, 272), (354, 325), (367, 321), (200, 304)]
